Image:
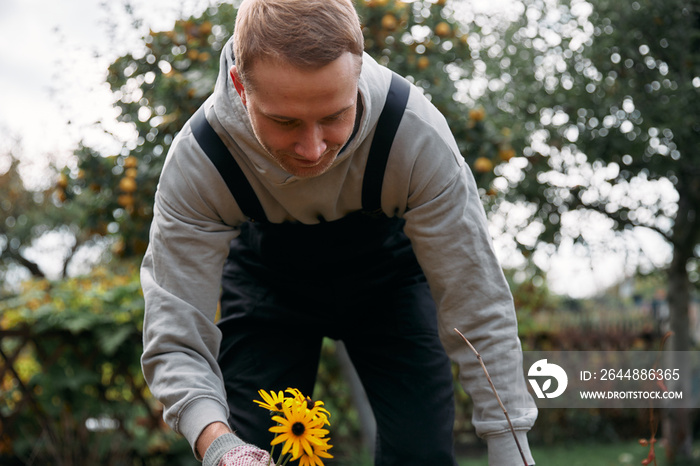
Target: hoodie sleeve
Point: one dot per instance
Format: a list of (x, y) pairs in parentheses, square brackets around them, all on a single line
[(447, 225), (180, 276)]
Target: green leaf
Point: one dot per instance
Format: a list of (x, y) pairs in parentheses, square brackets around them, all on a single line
[(111, 339)]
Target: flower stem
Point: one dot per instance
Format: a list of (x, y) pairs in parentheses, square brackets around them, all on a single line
[(272, 451)]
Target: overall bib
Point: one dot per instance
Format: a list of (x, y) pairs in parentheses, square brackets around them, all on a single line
[(287, 286)]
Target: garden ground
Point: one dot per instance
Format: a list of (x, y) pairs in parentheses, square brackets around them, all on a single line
[(573, 454), (589, 454)]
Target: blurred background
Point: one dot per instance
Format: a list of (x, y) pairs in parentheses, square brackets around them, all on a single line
[(581, 123)]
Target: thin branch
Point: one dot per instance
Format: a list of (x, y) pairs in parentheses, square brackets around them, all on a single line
[(600, 208), (32, 266), (488, 377), (71, 254)]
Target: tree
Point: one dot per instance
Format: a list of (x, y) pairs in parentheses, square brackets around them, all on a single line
[(156, 89), (16, 228), (607, 95), (159, 86), (30, 214)]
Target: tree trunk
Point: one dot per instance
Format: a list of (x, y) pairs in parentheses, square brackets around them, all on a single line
[(678, 426)]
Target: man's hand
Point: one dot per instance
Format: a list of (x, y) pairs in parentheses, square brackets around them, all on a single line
[(246, 455), (222, 448)]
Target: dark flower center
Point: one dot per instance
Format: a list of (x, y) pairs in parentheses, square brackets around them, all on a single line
[(310, 403), (298, 429), (279, 406)]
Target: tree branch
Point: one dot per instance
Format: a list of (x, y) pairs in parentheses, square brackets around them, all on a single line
[(600, 208), (76, 246), (30, 265)]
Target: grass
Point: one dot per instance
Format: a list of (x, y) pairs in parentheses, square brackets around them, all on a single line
[(591, 454), (580, 453)]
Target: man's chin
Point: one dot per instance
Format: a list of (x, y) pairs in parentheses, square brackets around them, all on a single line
[(302, 169), (307, 172)]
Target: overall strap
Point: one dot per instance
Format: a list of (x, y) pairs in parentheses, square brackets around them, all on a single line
[(230, 171), (381, 145), (243, 192)]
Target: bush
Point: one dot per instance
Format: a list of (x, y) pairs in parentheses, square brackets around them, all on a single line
[(72, 382)]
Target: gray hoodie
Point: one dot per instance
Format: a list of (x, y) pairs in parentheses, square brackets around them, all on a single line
[(427, 183)]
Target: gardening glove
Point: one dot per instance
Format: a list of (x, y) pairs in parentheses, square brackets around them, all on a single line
[(246, 455), (229, 450)]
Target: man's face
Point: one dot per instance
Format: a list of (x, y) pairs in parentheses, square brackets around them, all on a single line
[(303, 118)]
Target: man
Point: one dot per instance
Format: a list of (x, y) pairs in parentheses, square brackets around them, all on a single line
[(386, 249)]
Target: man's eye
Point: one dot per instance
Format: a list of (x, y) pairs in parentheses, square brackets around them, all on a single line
[(284, 122), (334, 118)]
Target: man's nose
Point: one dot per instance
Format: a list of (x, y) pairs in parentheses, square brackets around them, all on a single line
[(311, 145)]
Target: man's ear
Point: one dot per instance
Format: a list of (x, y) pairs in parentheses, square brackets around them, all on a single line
[(233, 72)]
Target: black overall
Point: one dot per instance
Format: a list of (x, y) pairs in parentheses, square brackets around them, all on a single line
[(356, 279)]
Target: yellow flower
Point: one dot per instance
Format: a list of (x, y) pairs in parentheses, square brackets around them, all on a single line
[(300, 426), (272, 401), (299, 429), (316, 407), (296, 395), (320, 451)]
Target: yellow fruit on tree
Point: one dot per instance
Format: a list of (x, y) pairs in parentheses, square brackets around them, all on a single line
[(131, 162), (483, 165), (131, 172), (389, 22), (506, 153), (443, 29), (477, 114), (205, 28), (125, 200), (423, 63), (127, 185)]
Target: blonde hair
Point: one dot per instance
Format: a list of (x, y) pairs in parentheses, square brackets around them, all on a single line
[(304, 33)]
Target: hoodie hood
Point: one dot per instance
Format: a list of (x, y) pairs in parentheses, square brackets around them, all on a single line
[(233, 116)]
